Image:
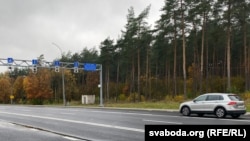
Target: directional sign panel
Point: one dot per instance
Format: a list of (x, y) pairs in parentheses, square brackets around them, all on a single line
[(10, 60), (89, 67), (76, 64), (34, 62), (57, 63)]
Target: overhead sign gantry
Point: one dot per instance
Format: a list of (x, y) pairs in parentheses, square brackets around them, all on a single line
[(57, 65)]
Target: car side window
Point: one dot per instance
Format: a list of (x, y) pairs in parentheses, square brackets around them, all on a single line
[(201, 98), (214, 97), (210, 98), (221, 97)]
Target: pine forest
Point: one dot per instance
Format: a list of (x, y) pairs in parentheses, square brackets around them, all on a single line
[(195, 46)]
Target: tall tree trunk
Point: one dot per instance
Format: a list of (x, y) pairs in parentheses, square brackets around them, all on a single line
[(202, 50), (245, 56), (225, 70), (138, 77), (184, 51), (229, 47), (147, 66), (117, 80), (132, 85), (149, 72), (196, 78), (107, 83), (207, 71), (196, 62), (150, 85), (175, 44), (166, 73)]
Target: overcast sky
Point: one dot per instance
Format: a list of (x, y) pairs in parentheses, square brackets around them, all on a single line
[(29, 28)]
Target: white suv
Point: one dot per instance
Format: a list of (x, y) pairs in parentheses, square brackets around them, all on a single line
[(219, 104)]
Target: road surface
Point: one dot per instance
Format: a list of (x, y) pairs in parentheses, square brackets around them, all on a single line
[(35, 123)]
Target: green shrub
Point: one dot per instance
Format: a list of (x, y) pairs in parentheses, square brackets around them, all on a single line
[(177, 98), (36, 101), (134, 97), (122, 97), (246, 95), (233, 89)]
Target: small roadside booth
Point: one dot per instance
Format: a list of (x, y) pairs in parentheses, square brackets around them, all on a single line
[(88, 99)]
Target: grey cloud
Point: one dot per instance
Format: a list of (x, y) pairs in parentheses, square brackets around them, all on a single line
[(28, 27)]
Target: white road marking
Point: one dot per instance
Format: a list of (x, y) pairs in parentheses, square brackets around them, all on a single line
[(26, 110), (70, 138), (162, 121), (67, 113), (122, 113), (133, 113), (5, 124), (80, 122), (179, 116), (33, 129)]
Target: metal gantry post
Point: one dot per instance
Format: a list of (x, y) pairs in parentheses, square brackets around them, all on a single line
[(101, 100), (63, 83), (63, 87)]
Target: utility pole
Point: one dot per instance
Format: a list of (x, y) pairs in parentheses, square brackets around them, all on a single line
[(63, 84), (100, 85)]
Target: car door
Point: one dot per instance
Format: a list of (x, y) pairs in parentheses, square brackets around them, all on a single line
[(198, 103), (210, 102)]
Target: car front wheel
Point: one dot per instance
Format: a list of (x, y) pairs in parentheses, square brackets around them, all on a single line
[(220, 112), (185, 111)]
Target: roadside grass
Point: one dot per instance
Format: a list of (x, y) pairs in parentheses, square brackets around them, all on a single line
[(248, 107), (145, 105), (247, 102), (153, 105), (168, 105), (162, 105), (141, 105)]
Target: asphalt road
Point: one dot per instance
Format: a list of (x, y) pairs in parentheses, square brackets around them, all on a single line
[(39, 123), (12, 132)]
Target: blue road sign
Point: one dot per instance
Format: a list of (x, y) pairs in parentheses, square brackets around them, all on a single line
[(57, 63), (34, 62), (10, 60), (89, 67), (76, 64)]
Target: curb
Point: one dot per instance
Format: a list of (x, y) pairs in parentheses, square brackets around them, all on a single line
[(167, 110), (103, 107)]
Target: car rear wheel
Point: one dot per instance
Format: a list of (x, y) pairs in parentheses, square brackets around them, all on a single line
[(220, 112), (185, 111)]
